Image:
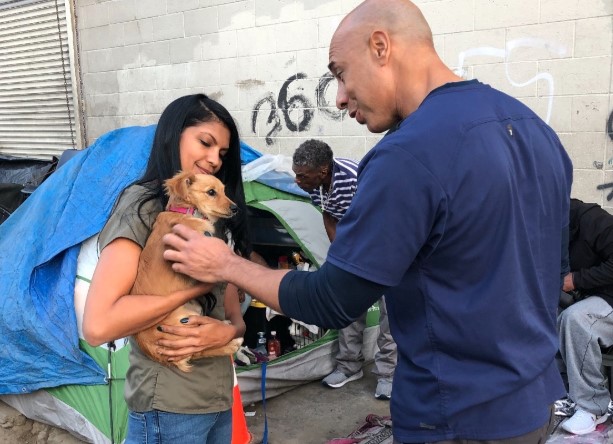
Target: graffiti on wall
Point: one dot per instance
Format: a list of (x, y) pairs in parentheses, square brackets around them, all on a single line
[(505, 54), (604, 186), (292, 108), (609, 130)]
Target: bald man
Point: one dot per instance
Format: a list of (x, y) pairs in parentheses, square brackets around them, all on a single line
[(457, 219)]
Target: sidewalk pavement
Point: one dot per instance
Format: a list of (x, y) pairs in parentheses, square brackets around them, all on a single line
[(315, 414), (309, 414)]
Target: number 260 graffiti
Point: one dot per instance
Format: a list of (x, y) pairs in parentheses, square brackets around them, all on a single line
[(294, 111)]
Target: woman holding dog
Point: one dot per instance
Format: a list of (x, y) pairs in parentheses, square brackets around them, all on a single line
[(197, 134)]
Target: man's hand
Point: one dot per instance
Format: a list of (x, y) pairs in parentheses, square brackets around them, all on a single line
[(208, 259), (568, 283), (202, 258)]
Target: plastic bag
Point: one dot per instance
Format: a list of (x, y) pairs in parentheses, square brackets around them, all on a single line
[(268, 162), (274, 171)]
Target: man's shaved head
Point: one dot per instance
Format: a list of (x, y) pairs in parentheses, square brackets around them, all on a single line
[(400, 18), (382, 55)]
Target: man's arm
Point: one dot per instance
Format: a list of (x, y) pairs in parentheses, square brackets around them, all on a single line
[(330, 225), (597, 228), (566, 276), (329, 297), (209, 259), (598, 276)]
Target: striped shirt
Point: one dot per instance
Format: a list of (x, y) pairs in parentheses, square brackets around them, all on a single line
[(343, 187)]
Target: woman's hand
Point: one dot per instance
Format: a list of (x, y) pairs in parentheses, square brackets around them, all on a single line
[(111, 312), (198, 333)]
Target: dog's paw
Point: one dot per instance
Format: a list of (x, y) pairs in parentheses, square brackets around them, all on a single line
[(233, 346), (225, 350), (184, 365)]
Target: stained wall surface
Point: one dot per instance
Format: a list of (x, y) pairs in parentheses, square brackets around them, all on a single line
[(266, 61)]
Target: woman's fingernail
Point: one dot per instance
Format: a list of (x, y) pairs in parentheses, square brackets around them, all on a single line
[(160, 328), (184, 320)]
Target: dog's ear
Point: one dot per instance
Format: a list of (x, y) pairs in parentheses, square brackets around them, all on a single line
[(178, 185), (189, 180)]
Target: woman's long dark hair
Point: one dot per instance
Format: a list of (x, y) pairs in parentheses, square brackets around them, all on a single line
[(165, 162)]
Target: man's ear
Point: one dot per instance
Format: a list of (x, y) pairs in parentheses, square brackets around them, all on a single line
[(379, 44)]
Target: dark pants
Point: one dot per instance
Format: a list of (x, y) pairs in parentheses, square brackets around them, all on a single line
[(538, 436)]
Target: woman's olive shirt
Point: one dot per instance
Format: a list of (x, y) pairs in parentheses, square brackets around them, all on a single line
[(149, 385)]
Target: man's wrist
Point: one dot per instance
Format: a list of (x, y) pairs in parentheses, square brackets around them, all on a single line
[(230, 266)]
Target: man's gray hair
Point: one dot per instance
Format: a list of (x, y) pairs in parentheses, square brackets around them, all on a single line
[(312, 154)]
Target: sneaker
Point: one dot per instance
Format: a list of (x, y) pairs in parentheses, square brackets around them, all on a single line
[(384, 389), (338, 379), (564, 407), (583, 422)]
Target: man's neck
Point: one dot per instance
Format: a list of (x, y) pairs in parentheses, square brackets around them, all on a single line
[(327, 181), (433, 74)]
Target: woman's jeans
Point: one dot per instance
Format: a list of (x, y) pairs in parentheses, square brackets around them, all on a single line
[(156, 427)]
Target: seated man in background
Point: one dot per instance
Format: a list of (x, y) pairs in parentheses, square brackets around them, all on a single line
[(586, 327), (331, 183)]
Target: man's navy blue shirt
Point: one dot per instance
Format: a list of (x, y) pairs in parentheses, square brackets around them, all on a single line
[(460, 212)]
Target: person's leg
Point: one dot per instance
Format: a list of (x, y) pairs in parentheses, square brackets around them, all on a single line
[(350, 358), (385, 358), (584, 328), (221, 432), (142, 428), (213, 428)]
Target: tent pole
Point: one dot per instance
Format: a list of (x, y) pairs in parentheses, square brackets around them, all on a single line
[(111, 348)]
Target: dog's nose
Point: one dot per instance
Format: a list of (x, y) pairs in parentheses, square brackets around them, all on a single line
[(234, 209)]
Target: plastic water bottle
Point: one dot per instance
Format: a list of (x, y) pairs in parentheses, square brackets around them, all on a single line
[(261, 347)]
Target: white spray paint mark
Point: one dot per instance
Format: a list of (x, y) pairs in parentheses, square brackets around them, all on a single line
[(505, 53)]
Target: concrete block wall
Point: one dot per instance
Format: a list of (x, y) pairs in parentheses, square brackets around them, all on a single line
[(265, 60)]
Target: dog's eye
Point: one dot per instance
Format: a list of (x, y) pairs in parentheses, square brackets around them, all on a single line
[(211, 192)]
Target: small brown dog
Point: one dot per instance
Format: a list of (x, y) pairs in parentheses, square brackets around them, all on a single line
[(197, 201)]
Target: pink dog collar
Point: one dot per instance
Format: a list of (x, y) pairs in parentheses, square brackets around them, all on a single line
[(187, 210)]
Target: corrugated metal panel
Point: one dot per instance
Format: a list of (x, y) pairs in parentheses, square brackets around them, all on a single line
[(37, 116)]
